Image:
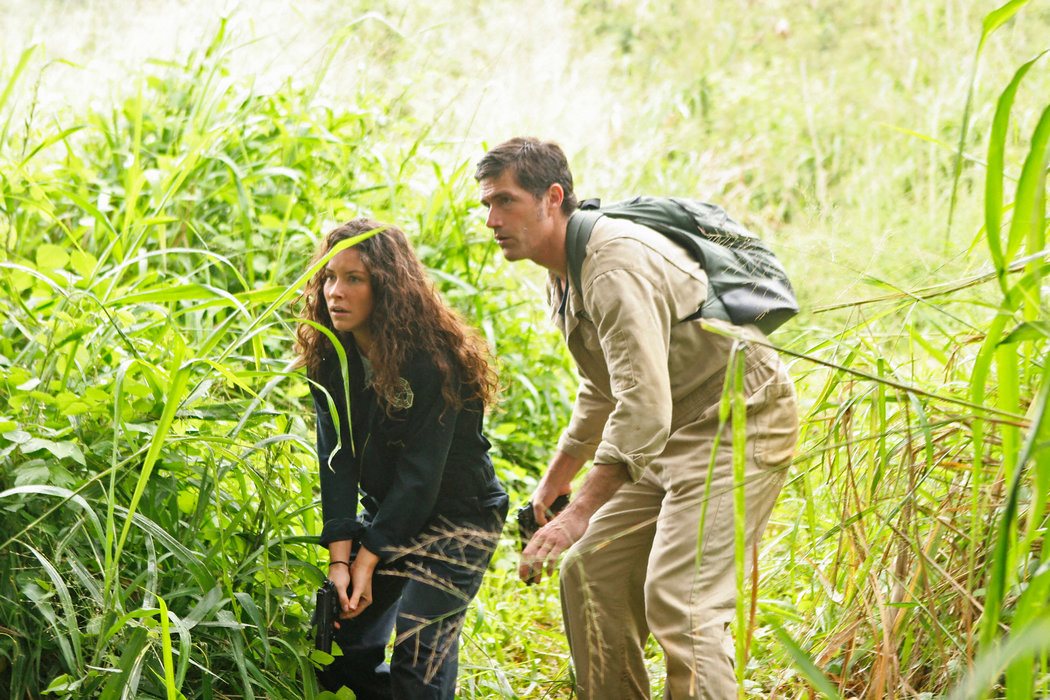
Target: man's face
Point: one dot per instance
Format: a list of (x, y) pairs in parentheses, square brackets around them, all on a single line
[(520, 220)]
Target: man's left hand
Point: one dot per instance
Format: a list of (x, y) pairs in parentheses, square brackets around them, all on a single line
[(549, 542)]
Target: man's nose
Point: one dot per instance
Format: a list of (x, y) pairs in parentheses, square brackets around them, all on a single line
[(492, 220)]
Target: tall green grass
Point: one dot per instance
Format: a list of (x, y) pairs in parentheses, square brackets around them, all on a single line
[(914, 520), (157, 474), (928, 571), (158, 480)]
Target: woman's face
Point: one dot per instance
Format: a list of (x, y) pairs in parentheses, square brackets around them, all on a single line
[(348, 293)]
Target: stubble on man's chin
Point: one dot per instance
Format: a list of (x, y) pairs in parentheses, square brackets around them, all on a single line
[(515, 257)]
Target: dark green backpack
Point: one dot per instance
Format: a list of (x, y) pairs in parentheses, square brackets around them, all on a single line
[(746, 283)]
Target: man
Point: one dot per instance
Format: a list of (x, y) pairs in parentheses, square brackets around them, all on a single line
[(646, 412)]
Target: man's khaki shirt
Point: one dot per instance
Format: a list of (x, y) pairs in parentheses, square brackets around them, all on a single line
[(644, 370)]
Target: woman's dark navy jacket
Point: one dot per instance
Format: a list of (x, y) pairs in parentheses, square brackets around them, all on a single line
[(423, 461)]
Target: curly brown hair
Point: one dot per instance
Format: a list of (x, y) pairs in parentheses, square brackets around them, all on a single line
[(408, 316)]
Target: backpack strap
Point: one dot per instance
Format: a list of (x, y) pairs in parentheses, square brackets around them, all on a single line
[(577, 233)]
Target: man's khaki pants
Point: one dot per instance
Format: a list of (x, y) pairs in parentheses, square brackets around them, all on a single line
[(635, 570)]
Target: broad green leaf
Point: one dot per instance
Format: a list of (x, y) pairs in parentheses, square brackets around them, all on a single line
[(82, 263), (61, 450), (51, 257), (270, 221), (20, 280), (321, 657), (34, 472), (187, 501), (62, 685), (18, 436)]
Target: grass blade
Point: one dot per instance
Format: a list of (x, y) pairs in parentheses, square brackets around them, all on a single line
[(166, 657), (993, 191), (804, 663), (23, 61), (992, 21)]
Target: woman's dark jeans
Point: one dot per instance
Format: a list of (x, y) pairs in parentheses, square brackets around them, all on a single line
[(423, 592)]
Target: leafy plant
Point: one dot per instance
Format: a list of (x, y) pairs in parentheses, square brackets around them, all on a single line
[(157, 472)]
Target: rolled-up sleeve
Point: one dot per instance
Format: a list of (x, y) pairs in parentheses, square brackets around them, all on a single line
[(589, 414), (633, 318), (338, 471)]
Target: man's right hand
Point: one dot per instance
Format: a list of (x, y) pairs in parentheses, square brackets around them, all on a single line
[(543, 497), (551, 540), (556, 481)]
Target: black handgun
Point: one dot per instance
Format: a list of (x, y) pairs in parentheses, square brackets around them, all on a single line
[(527, 525), (325, 615)]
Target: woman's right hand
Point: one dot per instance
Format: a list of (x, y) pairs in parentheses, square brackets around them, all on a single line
[(339, 574)]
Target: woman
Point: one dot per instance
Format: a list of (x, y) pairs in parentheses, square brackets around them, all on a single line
[(411, 444)]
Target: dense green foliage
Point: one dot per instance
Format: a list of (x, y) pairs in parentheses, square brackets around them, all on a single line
[(157, 475)]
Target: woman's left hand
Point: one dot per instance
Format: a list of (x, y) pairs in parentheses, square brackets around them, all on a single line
[(361, 581)]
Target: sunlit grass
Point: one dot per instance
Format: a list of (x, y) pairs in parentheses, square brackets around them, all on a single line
[(157, 475)]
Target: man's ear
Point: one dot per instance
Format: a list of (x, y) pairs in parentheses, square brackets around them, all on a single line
[(556, 195)]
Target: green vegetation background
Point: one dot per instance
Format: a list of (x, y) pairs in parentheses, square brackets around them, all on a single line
[(165, 172)]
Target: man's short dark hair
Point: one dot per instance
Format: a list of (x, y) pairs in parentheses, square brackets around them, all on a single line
[(536, 166)]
